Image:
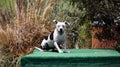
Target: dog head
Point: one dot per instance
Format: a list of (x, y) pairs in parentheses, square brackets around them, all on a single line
[(61, 26)]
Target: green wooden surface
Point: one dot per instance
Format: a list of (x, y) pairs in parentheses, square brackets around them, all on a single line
[(76, 58)]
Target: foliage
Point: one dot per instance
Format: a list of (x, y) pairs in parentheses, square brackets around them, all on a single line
[(107, 13), (67, 11), (28, 24)]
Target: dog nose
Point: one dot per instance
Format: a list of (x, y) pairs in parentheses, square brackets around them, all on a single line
[(61, 30)]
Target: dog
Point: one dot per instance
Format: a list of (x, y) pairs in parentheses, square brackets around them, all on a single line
[(56, 38)]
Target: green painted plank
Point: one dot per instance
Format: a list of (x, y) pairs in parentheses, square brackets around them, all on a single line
[(78, 58)]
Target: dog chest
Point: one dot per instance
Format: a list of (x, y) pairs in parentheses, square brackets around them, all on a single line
[(59, 38)]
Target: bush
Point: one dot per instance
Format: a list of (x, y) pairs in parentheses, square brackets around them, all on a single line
[(26, 28), (78, 31)]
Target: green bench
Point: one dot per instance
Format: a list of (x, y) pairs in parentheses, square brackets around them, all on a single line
[(76, 58)]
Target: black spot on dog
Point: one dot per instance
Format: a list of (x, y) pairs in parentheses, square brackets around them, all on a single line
[(46, 47), (51, 36)]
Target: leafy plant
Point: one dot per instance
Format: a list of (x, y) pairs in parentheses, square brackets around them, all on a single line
[(67, 11), (106, 13)]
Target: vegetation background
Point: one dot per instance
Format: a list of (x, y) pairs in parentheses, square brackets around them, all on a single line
[(24, 23)]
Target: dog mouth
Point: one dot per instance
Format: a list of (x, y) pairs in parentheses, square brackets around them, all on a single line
[(61, 31)]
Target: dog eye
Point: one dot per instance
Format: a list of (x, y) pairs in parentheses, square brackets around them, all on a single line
[(58, 25), (63, 26)]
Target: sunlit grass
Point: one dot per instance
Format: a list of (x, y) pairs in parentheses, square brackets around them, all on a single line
[(7, 4)]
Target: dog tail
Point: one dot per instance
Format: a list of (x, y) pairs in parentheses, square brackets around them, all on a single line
[(39, 49)]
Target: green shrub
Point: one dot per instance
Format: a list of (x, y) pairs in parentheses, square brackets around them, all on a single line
[(79, 29)]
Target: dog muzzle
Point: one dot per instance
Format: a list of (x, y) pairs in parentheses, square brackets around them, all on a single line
[(61, 31)]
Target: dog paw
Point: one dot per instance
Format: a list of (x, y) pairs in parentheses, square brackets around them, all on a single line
[(60, 51)]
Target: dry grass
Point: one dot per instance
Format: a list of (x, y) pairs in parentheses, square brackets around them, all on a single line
[(25, 30)]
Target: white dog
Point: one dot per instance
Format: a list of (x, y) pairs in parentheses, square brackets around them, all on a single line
[(56, 38)]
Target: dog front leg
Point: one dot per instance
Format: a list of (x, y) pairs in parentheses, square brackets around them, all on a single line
[(56, 45), (65, 48)]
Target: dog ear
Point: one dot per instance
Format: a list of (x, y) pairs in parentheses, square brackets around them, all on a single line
[(66, 23), (55, 21)]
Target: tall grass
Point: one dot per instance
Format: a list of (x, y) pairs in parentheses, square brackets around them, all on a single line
[(28, 23)]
